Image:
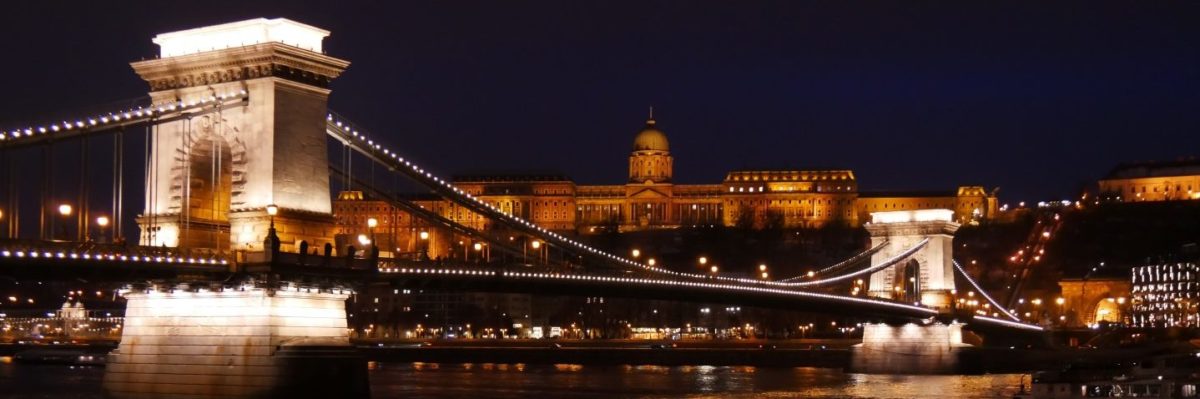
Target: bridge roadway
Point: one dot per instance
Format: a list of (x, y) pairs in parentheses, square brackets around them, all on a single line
[(48, 261)]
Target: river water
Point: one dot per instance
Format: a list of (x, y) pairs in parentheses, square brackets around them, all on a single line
[(437, 381)]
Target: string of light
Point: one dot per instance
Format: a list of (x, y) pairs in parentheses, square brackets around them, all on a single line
[(995, 305)]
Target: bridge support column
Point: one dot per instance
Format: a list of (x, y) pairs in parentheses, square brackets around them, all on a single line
[(927, 276), (909, 349), (235, 343)]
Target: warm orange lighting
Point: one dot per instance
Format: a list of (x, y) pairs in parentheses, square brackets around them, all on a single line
[(102, 221), (64, 209)]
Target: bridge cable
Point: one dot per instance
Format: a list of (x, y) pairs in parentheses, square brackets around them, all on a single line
[(883, 265), (995, 305), (851, 260), (426, 214), (377, 153)]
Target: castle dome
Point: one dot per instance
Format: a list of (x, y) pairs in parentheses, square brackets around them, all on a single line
[(650, 139)]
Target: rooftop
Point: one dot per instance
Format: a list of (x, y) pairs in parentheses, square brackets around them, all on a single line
[(1186, 167)]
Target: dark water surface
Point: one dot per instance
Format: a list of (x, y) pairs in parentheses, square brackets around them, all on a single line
[(427, 380)]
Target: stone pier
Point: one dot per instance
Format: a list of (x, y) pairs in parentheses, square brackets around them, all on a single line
[(909, 349), (235, 343)]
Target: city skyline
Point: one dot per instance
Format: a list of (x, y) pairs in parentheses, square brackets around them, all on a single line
[(1013, 93)]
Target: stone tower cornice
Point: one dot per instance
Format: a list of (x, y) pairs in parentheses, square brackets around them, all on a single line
[(241, 63)]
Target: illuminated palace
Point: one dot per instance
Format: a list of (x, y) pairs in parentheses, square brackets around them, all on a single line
[(649, 200), (1152, 181)]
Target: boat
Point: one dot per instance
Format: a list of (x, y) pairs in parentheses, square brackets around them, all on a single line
[(1165, 376)]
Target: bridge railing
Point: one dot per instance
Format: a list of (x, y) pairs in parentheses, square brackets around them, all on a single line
[(62, 249)]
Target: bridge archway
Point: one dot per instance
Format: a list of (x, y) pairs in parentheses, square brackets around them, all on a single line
[(209, 191), (910, 277)]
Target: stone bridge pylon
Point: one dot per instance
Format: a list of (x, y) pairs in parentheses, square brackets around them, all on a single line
[(212, 176), (211, 179), (927, 276)]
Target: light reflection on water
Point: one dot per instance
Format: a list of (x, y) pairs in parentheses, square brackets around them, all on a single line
[(698, 382), (494, 380)]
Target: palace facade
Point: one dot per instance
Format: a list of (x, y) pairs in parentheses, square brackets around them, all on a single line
[(650, 200), (1152, 181)]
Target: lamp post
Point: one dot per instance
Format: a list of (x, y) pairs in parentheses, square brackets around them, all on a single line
[(65, 211), (371, 223), (102, 222), (272, 210), (636, 253), (537, 247), (762, 270), (424, 235)]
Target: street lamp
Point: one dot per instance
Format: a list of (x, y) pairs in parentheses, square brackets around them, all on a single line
[(703, 261), (102, 221), (65, 211), (536, 245), (636, 253), (272, 210), (371, 223), (650, 262), (714, 269)]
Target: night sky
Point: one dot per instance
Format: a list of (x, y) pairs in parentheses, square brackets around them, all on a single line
[(1038, 100)]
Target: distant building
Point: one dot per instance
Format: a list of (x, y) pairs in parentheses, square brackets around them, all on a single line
[(1166, 295), (1152, 181), (794, 198)]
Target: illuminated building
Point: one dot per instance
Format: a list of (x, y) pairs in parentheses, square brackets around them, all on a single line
[(1152, 181), (650, 200), (1166, 295)]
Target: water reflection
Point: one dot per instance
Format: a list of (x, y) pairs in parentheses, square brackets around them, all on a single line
[(643, 381), (490, 380)]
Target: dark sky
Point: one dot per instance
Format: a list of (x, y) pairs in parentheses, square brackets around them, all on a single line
[(1036, 99)]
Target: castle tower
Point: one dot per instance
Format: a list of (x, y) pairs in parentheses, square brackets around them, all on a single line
[(212, 176)]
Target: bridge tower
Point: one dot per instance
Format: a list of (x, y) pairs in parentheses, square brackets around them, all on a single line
[(212, 176), (928, 275)]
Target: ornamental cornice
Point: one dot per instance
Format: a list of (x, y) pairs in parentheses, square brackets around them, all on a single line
[(912, 228), (241, 63)]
